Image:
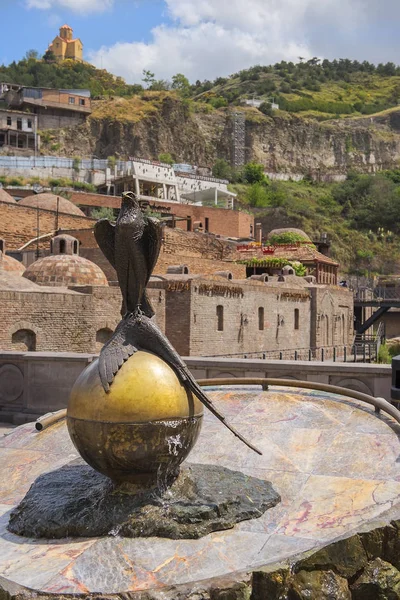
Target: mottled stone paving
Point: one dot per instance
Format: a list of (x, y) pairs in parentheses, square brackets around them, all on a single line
[(335, 463)]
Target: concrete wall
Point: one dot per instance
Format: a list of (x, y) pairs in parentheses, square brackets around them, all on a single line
[(33, 383)]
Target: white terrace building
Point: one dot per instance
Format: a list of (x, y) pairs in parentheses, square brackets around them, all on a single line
[(159, 181)]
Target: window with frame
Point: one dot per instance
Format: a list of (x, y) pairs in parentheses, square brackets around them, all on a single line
[(9, 121), (29, 123), (261, 318), (19, 124), (220, 317), (82, 101), (296, 318), (71, 100)]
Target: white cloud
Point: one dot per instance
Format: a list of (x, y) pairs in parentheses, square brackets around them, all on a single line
[(208, 38), (78, 6)]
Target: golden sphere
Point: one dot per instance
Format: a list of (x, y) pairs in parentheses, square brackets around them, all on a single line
[(142, 429)]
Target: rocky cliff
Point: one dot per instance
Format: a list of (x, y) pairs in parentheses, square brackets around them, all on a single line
[(284, 143)]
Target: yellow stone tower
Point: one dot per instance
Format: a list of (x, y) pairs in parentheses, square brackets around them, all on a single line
[(65, 46)]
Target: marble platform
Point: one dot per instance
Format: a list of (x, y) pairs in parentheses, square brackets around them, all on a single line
[(335, 463)]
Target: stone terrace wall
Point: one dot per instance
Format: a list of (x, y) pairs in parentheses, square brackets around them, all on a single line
[(19, 223)]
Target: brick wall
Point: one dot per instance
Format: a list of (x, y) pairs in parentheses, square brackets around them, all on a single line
[(65, 321), (241, 327), (333, 309), (229, 223), (19, 223), (203, 254)]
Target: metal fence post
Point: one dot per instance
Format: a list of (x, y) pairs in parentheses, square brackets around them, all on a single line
[(334, 354), (345, 354), (322, 354)]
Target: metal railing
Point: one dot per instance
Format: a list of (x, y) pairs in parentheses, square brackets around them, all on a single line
[(351, 353)]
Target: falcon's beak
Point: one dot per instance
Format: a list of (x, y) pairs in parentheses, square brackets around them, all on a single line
[(130, 196)]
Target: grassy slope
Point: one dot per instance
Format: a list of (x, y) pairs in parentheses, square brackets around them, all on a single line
[(312, 208), (362, 87)]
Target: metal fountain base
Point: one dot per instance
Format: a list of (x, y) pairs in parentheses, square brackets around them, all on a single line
[(79, 502)]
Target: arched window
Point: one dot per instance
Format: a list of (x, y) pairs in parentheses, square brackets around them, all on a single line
[(296, 318), (76, 247), (102, 336), (343, 330), (327, 330), (24, 340), (62, 246), (261, 318), (220, 318)]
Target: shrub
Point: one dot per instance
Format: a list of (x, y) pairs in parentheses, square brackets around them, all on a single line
[(166, 158), (111, 162), (222, 169), (384, 355), (266, 109), (254, 173), (76, 164), (103, 213), (287, 237)]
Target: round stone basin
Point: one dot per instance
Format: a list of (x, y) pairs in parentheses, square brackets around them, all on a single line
[(334, 462)]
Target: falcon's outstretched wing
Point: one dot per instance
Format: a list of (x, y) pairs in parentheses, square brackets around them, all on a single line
[(104, 232), (151, 242), (115, 352)]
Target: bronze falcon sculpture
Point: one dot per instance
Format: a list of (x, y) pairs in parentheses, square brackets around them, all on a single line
[(132, 247)]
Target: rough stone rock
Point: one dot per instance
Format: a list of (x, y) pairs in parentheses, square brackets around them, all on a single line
[(238, 591), (77, 501), (270, 582), (345, 557), (379, 581), (318, 585)]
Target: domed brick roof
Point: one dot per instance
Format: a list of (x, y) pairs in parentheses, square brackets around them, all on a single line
[(49, 202), (64, 270), (6, 197), (13, 281), (289, 230), (11, 265)]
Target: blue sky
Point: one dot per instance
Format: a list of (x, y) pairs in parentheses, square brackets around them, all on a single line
[(125, 22), (204, 38)]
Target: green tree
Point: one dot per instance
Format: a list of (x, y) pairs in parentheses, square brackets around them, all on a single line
[(148, 78), (254, 173), (181, 84), (166, 157), (257, 195), (31, 55), (266, 108), (49, 56), (103, 212), (222, 169)]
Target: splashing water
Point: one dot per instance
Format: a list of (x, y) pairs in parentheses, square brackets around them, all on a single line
[(174, 443)]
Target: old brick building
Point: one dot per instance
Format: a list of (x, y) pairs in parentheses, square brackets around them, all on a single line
[(74, 309)]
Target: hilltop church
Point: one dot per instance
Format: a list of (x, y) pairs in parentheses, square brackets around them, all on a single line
[(65, 46)]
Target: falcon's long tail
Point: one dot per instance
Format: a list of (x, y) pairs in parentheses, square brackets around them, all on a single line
[(190, 383)]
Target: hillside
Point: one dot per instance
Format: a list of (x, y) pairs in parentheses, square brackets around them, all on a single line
[(341, 118), (66, 75), (313, 88)]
